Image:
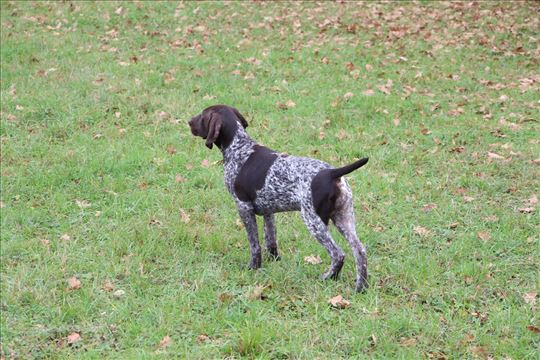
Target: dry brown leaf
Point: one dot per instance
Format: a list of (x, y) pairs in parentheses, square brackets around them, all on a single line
[(533, 329), (171, 150), (368, 92), (339, 302), (468, 198), (407, 341), (368, 67), (73, 338), (154, 222), (166, 341), (290, 104), (385, 89), (495, 156), (119, 293), (203, 338), (396, 122), (530, 297), (74, 283), (65, 237), (533, 200), (257, 293), (422, 231), (429, 207), (179, 178), (224, 297), (348, 96), (108, 286), (82, 203), (205, 163), (484, 235), (313, 259), (184, 216), (526, 210)]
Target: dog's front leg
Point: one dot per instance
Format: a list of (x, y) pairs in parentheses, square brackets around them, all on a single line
[(270, 236), (250, 223)]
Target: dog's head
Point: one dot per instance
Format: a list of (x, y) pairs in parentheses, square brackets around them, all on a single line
[(217, 124)]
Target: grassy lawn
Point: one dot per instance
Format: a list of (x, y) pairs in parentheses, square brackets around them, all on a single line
[(119, 239)]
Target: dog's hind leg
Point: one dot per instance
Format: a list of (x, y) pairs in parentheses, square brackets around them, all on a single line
[(343, 218), (320, 231)]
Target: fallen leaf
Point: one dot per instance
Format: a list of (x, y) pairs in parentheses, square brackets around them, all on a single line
[(481, 351), (429, 207), (368, 67), (65, 237), (73, 338), (533, 200), (526, 210), (179, 178), (495, 156), (203, 338), (45, 242), (533, 329), (257, 293), (348, 96), (225, 297), (407, 341), (484, 235), (457, 149), (166, 341), (349, 66), (119, 293), (313, 259), (290, 104), (422, 231), (205, 163), (530, 297), (171, 150), (368, 92), (339, 302), (108, 286), (396, 122), (385, 89), (82, 203), (425, 131), (184, 216), (468, 198), (74, 283), (154, 222)]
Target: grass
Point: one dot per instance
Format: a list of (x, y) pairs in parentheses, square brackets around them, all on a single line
[(102, 181)]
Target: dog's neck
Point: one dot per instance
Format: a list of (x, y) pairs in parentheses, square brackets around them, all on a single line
[(240, 147)]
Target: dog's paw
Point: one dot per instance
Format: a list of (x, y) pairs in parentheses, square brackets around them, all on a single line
[(361, 285)]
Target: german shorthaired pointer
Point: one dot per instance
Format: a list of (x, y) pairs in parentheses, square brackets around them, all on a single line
[(263, 182)]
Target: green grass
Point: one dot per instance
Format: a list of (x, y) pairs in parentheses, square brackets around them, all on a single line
[(93, 136)]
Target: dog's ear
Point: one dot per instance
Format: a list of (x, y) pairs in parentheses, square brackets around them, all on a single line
[(243, 121), (214, 126)]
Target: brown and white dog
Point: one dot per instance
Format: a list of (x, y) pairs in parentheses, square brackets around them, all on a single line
[(264, 182)]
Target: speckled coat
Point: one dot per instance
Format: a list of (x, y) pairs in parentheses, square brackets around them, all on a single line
[(264, 182)]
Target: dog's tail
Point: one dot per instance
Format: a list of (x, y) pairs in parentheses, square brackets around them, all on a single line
[(338, 172)]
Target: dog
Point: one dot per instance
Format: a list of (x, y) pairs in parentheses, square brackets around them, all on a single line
[(264, 182)]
